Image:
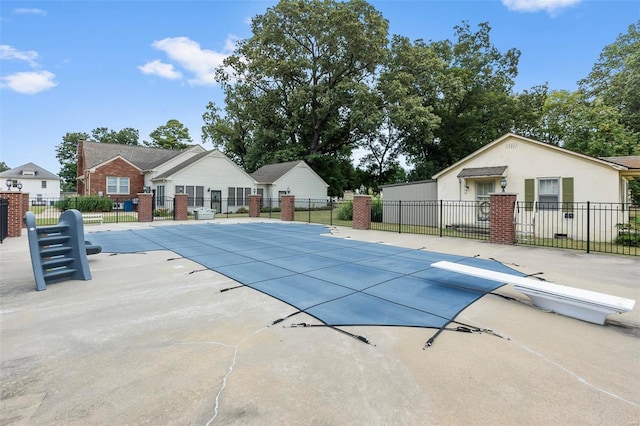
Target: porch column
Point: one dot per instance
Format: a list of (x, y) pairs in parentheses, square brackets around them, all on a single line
[(361, 212), (181, 211), (502, 227), (254, 205), (145, 207), (287, 206), (16, 212)]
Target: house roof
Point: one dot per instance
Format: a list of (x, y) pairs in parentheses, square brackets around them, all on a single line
[(182, 165), (533, 142), (38, 172), (272, 172), (143, 157), (482, 171), (629, 161)]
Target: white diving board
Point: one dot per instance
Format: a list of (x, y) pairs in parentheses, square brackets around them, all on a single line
[(586, 305)]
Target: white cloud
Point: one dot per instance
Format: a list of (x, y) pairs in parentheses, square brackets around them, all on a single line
[(188, 54), (161, 70), (8, 52), (29, 11), (551, 6), (30, 82)]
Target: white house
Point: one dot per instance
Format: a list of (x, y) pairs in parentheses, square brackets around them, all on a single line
[(293, 177), (209, 178), (548, 179), (41, 184)]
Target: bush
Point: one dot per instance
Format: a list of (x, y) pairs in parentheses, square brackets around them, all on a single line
[(628, 240), (266, 209), (88, 204), (242, 210), (376, 209), (162, 213), (346, 211)]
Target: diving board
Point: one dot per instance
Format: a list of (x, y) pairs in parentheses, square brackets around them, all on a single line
[(573, 302)]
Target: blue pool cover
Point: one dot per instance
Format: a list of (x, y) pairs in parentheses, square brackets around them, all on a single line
[(338, 281)]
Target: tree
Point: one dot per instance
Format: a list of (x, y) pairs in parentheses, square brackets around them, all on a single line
[(126, 136), (615, 78), (66, 153), (460, 90), (172, 135), (292, 89), (4, 167)]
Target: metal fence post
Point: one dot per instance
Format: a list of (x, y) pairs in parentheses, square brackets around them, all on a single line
[(440, 218), (399, 217), (588, 226), (309, 210), (331, 212)]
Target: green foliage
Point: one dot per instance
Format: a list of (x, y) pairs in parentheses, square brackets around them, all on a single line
[(376, 209), (162, 212), (267, 209), (85, 204), (242, 210), (629, 233), (634, 189), (172, 135), (4, 167), (126, 136), (345, 212)]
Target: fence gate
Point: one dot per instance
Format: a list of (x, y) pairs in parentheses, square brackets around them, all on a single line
[(524, 218), (4, 219)]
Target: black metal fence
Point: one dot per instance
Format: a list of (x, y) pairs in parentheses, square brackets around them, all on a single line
[(117, 210), (4, 219), (588, 226)]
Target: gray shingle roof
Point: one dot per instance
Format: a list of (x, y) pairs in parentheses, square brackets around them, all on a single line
[(272, 172), (182, 165), (143, 157), (482, 171), (17, 172), (630, 161)]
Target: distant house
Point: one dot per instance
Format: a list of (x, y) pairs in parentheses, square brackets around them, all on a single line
[(294, 177), (41, 184), (209, 178)]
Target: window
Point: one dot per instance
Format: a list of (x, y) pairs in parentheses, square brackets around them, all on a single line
[(231, 196), (117, 185), (159, 196), (195, 194), (483, 189), (548, 193), (44, 184)]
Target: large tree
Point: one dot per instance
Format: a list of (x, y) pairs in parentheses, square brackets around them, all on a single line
[(292, 88), (173, 135), (4, 167)]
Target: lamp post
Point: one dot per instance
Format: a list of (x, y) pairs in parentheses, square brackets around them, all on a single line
[(503, 183)]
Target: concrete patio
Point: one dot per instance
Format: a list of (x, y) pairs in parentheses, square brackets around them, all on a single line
[(151, 339)]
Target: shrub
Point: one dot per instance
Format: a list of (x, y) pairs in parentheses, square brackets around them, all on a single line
[(376, 209), (266, 209), (88, 204), (242, 210), (162, 213), (628, 240), (346, 211)]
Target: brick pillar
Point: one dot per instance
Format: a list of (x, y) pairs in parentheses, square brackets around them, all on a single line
[(145, 207), (287, 206), (361, 212), (181, 211), (25, 206), (254, 205), (502, 229), (16, 212)]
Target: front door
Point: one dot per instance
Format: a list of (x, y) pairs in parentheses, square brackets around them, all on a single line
[(483, 189), (216, 201)]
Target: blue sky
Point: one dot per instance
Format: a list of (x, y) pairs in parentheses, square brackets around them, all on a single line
[(72, 66)]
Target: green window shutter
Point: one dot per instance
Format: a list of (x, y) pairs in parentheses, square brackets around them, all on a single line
[(529, 193), (567, 194)]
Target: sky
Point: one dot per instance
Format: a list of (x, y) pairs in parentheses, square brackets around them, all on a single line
[(73, 66)]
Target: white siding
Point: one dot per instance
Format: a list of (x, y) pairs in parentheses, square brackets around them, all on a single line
[(304, 183), (415, 191), (33, 186)]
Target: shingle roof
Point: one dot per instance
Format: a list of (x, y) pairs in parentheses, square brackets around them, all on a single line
[(40, 173), (182, 165), (630, 161), (143, 157), (482, 171), (272, 172)]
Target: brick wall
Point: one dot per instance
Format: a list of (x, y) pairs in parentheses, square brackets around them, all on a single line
[(17, 209), (181, 206), (97, 181), (362, 212), (287, 205), (254, 205), (145, 207), (502, 229)]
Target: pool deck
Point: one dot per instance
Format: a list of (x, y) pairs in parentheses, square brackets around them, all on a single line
[(151, 340)]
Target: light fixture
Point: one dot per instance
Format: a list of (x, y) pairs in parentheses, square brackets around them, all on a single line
[(9, 182), (208, 189), (288, 190), (19, 186), (255, 191), (503, 183), (361, 188)]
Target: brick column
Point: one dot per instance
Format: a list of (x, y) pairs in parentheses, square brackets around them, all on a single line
[(254, 205), (287, 206), (502, 229), (361, 212), (181, 211), (145, 207), (16, 212), (25, 206)]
